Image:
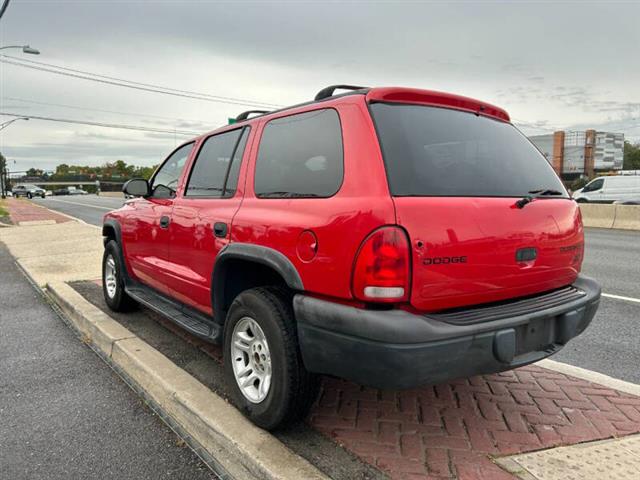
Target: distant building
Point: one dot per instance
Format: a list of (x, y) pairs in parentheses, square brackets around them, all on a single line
[(576, 154)]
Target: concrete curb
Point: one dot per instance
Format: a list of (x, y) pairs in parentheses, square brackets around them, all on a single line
[(610, 216), (242, 449), (591, 376)]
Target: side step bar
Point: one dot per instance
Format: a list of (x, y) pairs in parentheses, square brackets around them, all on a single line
[(186, 317)]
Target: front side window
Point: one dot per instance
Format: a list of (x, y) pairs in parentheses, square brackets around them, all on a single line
[(430, 151), (300, 156), (166, 179), (593, 186), (215, 173)]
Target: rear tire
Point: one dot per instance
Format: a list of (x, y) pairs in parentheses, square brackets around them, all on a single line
[(29, 196), (113, 280), (262, 360)]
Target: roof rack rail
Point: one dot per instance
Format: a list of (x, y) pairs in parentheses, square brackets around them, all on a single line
[(328, 91), (245, 115)]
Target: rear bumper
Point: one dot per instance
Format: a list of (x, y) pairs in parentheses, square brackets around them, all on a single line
[(396, 349)]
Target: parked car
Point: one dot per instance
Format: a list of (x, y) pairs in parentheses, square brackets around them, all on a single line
[(28, 191), (609, 189), (391, 236), (70, 191)]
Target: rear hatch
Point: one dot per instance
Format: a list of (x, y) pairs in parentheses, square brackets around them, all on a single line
[(486, 215)]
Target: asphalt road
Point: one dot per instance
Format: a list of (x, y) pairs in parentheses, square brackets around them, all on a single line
[(611, 345), (90, 208), (63, 412)]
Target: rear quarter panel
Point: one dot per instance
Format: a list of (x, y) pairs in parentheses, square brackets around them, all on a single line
[(340, 223)]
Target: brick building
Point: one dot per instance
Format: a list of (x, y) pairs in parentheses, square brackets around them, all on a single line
[(574, 154)]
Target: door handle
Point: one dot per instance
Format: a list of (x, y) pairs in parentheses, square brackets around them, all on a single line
[(220, 229), (164, 222)]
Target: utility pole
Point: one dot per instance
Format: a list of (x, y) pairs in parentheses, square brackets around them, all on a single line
[(4, 7), (3, 168)]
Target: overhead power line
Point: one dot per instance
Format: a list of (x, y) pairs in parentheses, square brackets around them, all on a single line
[(84, 72), (87, 109), (100, 124), (85, 75)]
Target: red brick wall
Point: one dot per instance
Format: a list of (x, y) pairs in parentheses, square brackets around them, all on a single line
[(558, 151)]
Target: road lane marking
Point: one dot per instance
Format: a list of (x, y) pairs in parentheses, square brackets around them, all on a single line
[(620, 297), (82, 204)]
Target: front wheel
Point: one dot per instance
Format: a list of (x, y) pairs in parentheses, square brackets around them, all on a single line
[(262, 360), (113, 281), (29, 196)]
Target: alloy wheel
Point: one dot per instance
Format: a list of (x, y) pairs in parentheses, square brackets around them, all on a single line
[(251, 360), (110, 276)]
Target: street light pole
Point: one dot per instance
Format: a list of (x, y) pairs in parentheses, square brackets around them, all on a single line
[(3, 168), (25, 49), (6, 124)]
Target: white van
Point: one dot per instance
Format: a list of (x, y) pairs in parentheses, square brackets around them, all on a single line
[(609, 189)]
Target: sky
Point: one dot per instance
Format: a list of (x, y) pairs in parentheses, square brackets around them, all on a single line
[(551, 65)]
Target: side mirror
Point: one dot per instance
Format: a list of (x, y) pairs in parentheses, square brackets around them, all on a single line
[(136, 187)]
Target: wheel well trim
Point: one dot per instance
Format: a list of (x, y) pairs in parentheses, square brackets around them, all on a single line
[(252, 253), (115, 225)]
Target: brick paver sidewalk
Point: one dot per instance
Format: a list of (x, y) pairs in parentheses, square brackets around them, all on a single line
[(21, 210), (449, 431)]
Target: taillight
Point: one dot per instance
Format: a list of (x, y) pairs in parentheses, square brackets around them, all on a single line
[(381, 271)]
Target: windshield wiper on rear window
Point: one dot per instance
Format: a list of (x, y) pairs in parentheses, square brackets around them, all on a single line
[(543, 192)]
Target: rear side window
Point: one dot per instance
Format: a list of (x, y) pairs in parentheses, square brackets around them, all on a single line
[(432, 151), (215, 173), (300, 156)]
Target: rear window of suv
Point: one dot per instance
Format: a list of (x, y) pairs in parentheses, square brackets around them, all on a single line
[(300, 156), (430, 151)]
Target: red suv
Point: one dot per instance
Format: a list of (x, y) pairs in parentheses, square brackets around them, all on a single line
[(391, 236)]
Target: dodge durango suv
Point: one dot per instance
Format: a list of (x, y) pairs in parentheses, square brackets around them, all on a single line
[(395, 237)]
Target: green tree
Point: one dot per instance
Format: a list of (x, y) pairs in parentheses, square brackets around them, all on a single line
[(144, 172), (62, 169), (34, 172), (631, 156)]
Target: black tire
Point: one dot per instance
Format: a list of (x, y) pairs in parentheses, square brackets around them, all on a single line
[(292, 390), (582, 200), (117, 300), (29, 196)]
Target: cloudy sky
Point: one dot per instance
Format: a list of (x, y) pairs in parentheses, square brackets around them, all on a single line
[(552, 65)]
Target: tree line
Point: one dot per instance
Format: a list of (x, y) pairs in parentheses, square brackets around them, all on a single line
[(111, 171)]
